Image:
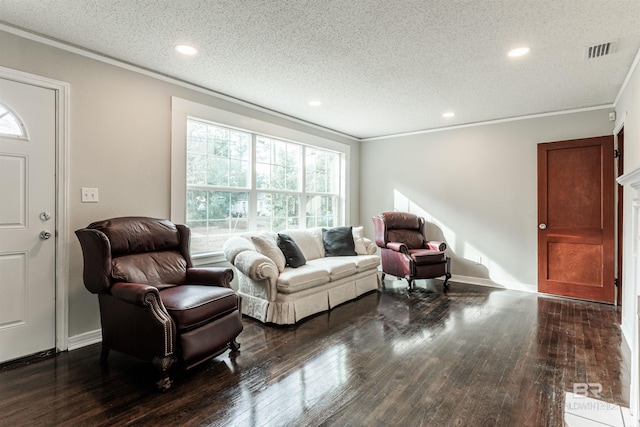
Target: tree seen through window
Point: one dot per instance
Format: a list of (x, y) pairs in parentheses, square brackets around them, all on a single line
[(238, 181)]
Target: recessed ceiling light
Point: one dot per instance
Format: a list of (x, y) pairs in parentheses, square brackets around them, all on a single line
[(315, 103), (185, 49), (448, 114), (520, 51)]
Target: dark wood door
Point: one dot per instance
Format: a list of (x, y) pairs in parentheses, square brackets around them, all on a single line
[(576, 219)]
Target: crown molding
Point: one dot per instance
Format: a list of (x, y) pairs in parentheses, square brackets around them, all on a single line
[(163, 77), (491, 122)]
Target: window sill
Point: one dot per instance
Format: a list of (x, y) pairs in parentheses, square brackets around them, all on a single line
[(212, 258)]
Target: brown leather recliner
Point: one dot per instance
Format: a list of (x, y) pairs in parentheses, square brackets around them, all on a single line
[(154, 304), (404, 250)]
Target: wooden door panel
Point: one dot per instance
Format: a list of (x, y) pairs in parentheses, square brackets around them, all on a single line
[(573, 206), (574, 263), (576, 217)]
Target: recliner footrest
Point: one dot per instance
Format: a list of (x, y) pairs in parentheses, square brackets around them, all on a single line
[(425, 256)]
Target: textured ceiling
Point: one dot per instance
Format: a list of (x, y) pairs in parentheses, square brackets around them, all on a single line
[(379, 67)]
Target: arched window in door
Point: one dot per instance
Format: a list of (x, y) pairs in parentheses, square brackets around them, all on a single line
[(10, 123)]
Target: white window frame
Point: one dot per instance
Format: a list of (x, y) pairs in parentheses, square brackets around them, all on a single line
[(182, 109)]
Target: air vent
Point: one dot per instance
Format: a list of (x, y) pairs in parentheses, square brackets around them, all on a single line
[(598, 50)]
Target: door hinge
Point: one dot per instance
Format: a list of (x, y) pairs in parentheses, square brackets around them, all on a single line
[(616, 154), (616, 282)]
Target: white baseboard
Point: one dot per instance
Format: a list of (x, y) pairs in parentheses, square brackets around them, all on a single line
[(488, 282), (514, 286), (627, 335), (84, 339)]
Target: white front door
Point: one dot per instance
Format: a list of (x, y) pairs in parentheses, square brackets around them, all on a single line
[(27, 219)]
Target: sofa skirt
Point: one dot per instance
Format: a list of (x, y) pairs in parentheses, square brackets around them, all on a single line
[(288, 309)]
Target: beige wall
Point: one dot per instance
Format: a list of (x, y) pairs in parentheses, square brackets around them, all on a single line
[(478, 185), (120, 130)]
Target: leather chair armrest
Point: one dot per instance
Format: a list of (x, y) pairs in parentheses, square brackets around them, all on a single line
[(398, 247), (217, 276), (435, 245), (133, 293)]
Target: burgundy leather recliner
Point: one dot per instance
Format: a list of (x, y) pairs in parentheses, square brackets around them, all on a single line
[(404, 250), (154, 304)]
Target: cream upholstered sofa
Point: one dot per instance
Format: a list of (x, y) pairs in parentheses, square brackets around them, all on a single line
[(274, 292)]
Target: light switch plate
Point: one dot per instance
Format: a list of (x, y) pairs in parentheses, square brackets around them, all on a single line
[(89, 195)]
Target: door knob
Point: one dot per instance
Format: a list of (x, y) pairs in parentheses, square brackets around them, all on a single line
[(542, 226), (45, 234)]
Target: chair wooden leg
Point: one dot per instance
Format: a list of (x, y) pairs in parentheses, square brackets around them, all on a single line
[(446, 285), (234, 346), (447, 275), (411, 282), (162, 364), (382, 280)]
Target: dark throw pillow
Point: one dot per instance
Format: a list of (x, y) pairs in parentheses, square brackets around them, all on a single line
[(291, 251), (338, 241)]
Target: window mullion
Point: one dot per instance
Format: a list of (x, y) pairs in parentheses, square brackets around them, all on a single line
[(253, 192), (303, 195), (342, 189)]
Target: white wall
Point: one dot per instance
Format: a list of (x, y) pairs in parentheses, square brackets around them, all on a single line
[(478, 184), (120, 142), (628, 115)]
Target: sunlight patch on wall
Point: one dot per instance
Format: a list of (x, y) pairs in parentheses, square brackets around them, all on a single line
[(496, 272), (459, 249), (402, 203)]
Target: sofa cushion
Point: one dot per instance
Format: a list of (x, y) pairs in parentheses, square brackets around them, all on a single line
[(267, 246), (336, 267), (293, 280), (338, 241), (292, 253), (309, 241), (363, 262), (358, 240)]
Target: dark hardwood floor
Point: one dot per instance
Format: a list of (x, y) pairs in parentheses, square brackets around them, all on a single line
[(475, 356)]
